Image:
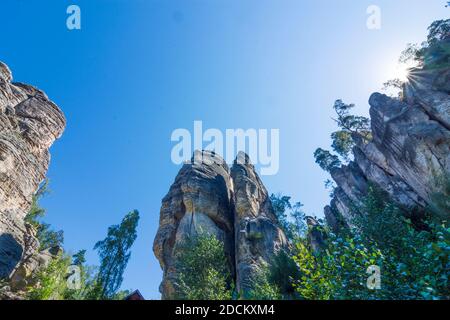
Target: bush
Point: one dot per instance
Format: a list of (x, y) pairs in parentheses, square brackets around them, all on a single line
[(203, 272), (50, 283), (339, 272), (262, 286)]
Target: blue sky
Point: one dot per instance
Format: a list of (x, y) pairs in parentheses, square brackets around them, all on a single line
[(137, 70)]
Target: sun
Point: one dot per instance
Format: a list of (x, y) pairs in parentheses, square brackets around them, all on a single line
[(401, 71)]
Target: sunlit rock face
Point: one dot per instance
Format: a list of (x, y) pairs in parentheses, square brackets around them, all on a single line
[(231, 204), (29, 124), (409, 156)]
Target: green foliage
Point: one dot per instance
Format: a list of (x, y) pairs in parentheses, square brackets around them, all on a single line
[(290, 216), (47, 237), (262, 286), (342, 143), (433, 53), (416, 260), (275, 281), (351, 127), (337, 273), (114, 253), (326, 160), (50, 283), (79, 258), (414, 263), (350, 123), (203, 272), (282, 272), (36, 211)]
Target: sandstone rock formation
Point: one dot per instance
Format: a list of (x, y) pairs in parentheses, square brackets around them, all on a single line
[(409, 156), (231, 204), (29, 124)]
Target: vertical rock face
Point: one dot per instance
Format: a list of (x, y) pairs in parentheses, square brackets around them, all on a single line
[(409, 156), (29, 124), (257, 235), (231, 204), (200, 200)]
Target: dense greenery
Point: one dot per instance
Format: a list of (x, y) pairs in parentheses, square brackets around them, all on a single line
[(414, 263), (203, 269)]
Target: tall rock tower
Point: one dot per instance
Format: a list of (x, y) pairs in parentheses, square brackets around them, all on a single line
[(231, 204), (29, 124)]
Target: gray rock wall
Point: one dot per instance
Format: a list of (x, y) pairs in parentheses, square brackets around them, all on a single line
[(409, 156), (29, 124)]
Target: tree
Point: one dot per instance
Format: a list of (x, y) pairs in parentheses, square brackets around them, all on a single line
[(326, 160), (290, 216), (86, 277), (202, 269), (79, 258), (351, 127), (114, 253), (47, 237), (433, 53)]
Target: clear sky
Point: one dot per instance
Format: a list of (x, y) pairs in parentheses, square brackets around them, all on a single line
[(137, 70)]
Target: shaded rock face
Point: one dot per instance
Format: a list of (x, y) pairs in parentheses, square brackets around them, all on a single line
[(409, 155), (257, 235), (231, 204), (316, 236), (29, 124)]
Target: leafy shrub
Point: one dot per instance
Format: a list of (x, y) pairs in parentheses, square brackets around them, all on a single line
[(339, 272), (203, 272), (262, 286), (50, 283)]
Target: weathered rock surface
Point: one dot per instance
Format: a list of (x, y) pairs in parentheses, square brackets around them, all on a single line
[(257, 235), (409, 155), (29, 124), (231, 204)]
